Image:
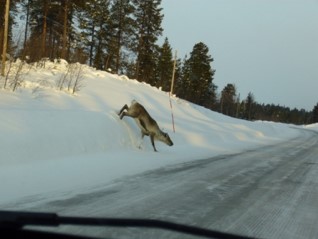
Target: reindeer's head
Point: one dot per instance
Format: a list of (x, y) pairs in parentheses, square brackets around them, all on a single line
[(164, 137)]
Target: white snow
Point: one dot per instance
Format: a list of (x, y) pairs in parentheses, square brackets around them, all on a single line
[(55, 144)]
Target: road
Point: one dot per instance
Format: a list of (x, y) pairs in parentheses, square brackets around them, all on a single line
[(269, 192)]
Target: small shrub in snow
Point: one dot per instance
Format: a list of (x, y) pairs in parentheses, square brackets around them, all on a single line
[(8, 72), (41, 63), (77, 77), (72, 78), (14, 74), (18, 76)]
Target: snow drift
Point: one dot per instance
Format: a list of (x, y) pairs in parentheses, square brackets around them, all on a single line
[(57, 144)]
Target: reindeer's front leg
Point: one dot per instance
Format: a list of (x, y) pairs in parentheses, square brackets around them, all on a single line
[(153, 142), (121, 113)]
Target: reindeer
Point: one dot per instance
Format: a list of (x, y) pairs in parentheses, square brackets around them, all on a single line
[(147, 124)]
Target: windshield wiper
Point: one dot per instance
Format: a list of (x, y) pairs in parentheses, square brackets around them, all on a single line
[(12, 221)]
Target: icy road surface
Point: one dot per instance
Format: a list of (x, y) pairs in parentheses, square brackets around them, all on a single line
[(271, 192)]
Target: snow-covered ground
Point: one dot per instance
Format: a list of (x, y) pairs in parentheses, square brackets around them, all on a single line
[(56, 144)]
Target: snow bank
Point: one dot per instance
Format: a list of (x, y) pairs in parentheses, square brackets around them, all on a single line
[(54, 143), (312, 127)]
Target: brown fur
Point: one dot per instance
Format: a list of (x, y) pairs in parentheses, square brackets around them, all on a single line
[(146, 123)]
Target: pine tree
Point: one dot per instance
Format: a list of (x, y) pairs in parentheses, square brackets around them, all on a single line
[(12, 15), (228, 100), (123, 27), (44, 30), (68, 31), (165, 66), (183, 85), (148, 19), (94, 21), (315, 114), (198, 76), (51, 32), (249, 106)]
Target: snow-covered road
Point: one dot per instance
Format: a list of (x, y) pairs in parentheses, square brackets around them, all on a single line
[(270, 192)]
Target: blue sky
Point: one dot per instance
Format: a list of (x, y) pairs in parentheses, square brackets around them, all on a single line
[(267, 47)]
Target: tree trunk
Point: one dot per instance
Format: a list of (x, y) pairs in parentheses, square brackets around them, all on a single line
[(5, 39), (63, 55), (92, 46), (26, 25), (43, 47)]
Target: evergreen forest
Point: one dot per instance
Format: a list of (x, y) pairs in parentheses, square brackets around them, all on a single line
[(121, 36)]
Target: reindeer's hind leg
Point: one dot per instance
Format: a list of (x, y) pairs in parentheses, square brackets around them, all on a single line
[(121, 113)]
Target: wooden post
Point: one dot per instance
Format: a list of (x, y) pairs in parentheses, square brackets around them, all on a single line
[(5, 38), (173, 72)]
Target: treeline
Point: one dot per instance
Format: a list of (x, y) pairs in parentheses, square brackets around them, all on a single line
[(249, 109), (121, 36)]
